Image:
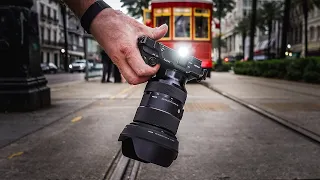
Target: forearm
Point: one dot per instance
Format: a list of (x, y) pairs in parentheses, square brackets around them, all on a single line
[(79, 6)]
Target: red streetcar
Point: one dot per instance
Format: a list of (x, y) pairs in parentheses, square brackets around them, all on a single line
[(189, 24)]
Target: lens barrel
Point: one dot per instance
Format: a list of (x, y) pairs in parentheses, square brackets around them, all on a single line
[(150, 138)]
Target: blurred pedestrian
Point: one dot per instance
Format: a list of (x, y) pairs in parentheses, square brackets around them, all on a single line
[(107, 66), (117, 33), (116, 74)]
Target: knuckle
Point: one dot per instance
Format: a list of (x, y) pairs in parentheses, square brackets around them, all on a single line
[(133, 81), (126, 49), (141, 72)]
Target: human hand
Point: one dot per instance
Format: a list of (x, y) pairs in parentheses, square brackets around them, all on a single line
[(118, 33)]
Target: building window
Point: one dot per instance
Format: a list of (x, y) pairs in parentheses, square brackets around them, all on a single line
[(42, 9), (162, 16), (311, 31), (48, 11), (318, 32), (41, 34), (49, 35), (55, 14), (48, 57), (54, 36), (182, 23)]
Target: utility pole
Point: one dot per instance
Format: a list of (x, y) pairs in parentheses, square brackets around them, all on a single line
[(65, 33)]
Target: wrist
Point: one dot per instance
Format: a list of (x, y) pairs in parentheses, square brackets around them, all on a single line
[(91, 13)]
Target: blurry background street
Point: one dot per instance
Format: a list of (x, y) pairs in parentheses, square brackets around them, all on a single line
[(256, 116), (64, 78)]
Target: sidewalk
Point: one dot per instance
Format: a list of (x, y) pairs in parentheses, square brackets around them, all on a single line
[(296, 102), (66, 98)]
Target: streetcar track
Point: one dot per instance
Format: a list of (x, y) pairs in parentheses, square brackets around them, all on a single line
[(312, 136), (121, 167)]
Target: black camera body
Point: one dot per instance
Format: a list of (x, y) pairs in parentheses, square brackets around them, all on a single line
[(150, 138)]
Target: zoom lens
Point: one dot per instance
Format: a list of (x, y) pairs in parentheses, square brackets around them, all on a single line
[(150, 138)]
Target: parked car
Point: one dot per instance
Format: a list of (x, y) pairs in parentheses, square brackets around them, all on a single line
[(230, 59), (79, 65), (49, 68)]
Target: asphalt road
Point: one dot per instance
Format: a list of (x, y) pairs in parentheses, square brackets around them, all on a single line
[(64, 77), (219, 139)]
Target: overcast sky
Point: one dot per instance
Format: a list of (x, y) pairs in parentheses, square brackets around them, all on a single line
[(116, 4)]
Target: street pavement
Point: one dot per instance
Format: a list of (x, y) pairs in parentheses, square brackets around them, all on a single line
[(64, 77), (299, 103), (219, 139)]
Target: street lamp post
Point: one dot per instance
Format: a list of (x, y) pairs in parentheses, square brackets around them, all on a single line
[(22, 84)]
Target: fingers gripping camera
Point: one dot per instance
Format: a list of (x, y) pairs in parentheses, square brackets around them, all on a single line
[(154, 53), (150, 138)]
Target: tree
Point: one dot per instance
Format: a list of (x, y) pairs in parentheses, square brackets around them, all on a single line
[(270, 11), (252, 28), (243, 28), (285, 27), (223, 7), (304, 7), (135, 7)]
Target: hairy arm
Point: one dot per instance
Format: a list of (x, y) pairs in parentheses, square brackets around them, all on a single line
[(117, 33)]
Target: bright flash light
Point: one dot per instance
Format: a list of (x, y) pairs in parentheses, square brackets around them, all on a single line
[(63, 51), (287, 53), (183, 51)]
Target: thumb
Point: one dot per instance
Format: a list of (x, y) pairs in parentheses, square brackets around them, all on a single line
[(159, 32)]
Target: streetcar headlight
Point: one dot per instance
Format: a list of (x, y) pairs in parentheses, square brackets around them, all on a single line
[(183, 51), (70, 66)]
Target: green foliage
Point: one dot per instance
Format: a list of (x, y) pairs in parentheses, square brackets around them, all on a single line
[(224, 67), (291, 69), (135, 7), (223, 7)]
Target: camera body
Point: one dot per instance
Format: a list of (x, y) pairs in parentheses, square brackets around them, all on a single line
[(150, 138), (154, 53)]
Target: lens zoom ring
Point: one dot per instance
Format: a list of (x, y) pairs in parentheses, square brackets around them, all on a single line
[(167, 89), (158, 118)]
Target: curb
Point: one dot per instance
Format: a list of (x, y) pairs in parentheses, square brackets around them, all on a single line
[(286, 123)]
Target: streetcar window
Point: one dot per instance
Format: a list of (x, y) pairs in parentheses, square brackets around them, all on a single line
[(182, 23), (182, 26), (162, 16), (201, 24), (201, 27), (163, 20)]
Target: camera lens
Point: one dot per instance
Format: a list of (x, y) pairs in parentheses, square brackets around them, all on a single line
[(150, 138)]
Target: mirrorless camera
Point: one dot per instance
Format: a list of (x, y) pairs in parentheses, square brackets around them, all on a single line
[(150, 138)]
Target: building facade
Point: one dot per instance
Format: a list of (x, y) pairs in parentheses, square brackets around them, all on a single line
[(296, 35), (51, 32), (234, 40)]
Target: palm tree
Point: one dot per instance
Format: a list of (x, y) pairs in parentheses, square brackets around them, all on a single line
[(306, 6), (135, 7), (243, 28), (269, 11), (285, 27), (223, 7), (252, 28)]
